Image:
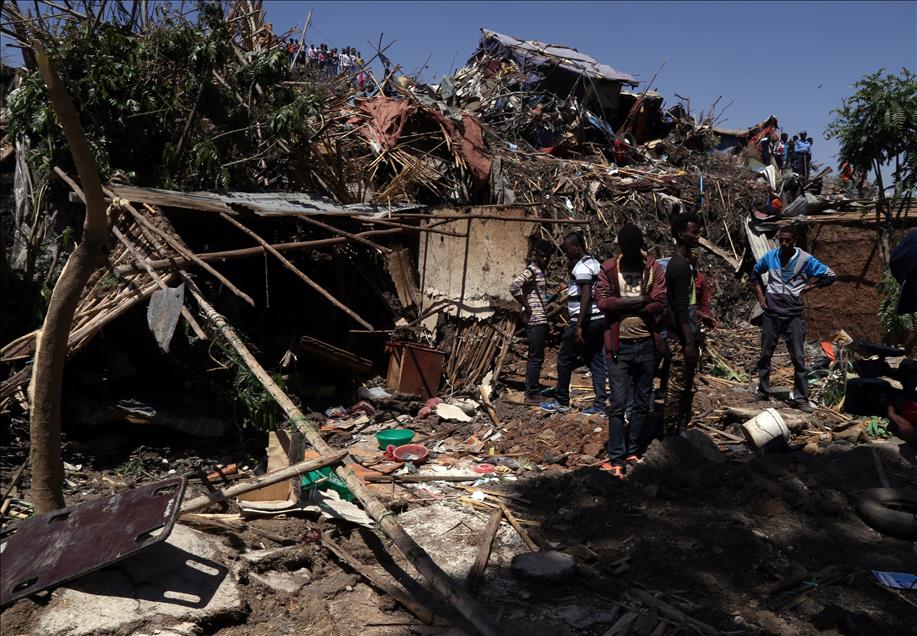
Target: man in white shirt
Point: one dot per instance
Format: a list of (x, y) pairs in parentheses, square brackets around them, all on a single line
[(584, 337)]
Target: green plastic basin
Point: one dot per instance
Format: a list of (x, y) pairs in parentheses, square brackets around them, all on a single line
[(394, 437)]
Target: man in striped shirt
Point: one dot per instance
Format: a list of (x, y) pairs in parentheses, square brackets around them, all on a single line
[(530, 289)]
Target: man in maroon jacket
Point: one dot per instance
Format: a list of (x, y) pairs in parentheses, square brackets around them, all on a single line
[(631, 293)]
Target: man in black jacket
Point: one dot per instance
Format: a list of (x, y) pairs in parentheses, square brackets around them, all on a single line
[(683, 329)]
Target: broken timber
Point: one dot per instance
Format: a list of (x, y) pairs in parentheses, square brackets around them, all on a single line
[(265, 480), (416, 555)]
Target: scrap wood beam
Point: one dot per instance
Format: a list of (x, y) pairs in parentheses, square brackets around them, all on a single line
[(351, 236), (198, 503), (380, 583), (229, 255), (713, 249), (290, 266), (138, 258), (181, 249), (454, 593)]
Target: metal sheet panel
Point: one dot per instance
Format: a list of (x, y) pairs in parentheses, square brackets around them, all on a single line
[(58, 546), (541, 53)]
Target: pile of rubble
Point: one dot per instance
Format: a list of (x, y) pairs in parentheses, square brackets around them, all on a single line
[(385, 250)]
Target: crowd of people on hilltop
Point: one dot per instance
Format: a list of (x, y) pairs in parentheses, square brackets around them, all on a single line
[(329, 62), (796, 154)]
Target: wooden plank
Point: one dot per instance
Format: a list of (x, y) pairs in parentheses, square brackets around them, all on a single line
[(376, 580), (484, 546), (335, 355), (264, 480), (726, 256)]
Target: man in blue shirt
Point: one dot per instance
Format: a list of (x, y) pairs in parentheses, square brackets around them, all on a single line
[(803, 155), (791, 273)]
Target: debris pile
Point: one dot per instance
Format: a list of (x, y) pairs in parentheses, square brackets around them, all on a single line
[(348, 278)]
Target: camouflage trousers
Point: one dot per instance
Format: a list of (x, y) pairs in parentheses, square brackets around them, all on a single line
[(679, 397)]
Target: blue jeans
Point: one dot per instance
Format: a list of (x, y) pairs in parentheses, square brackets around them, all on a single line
[(631, 370), (592, 353)]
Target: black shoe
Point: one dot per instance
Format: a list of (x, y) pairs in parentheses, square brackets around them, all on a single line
[(760, 396), (804, 405)]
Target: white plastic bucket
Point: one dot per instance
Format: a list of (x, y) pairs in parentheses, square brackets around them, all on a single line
[(764, 428)]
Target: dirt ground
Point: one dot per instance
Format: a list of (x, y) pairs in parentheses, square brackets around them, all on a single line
[(747, 544)]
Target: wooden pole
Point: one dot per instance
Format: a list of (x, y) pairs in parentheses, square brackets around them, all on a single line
[(380, 583), (302, 40), (417, 556), (352, 237), (138, 258), (178, 247), (518, 527), (484, 546), (203, 501), (228, 255), (290, 266)]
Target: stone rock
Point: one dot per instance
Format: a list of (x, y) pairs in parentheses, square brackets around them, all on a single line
[(810, 449), (593, 448), (255, 557), (331, 586), (548, 565), (853, 433), (180, 578), (704, 446), (283, 582)]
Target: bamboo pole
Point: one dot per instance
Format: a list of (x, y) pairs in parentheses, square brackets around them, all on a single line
[(290, 266), (181, 249), (416, 555), (228, 255)]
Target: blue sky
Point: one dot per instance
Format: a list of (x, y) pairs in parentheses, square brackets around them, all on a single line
[(796, 60)]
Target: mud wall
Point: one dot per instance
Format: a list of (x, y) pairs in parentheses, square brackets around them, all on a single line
[(852, 302)]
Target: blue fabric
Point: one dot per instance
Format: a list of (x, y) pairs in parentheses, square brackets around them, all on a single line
[(785, 284), (803, 146)]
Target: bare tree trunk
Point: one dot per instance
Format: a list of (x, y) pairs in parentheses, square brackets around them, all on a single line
[(51, 352), (883, 217)]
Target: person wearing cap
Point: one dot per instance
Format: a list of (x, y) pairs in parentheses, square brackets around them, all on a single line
[(791, 273), (803, 154)]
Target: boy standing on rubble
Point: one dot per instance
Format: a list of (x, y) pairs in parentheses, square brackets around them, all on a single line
[(584, 337), (631, 292), (530, 290), (683, 330), (791, 273)]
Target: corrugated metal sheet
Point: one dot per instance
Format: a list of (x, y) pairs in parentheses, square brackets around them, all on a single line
[(540, 53), (261, 203), (760, 245)]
